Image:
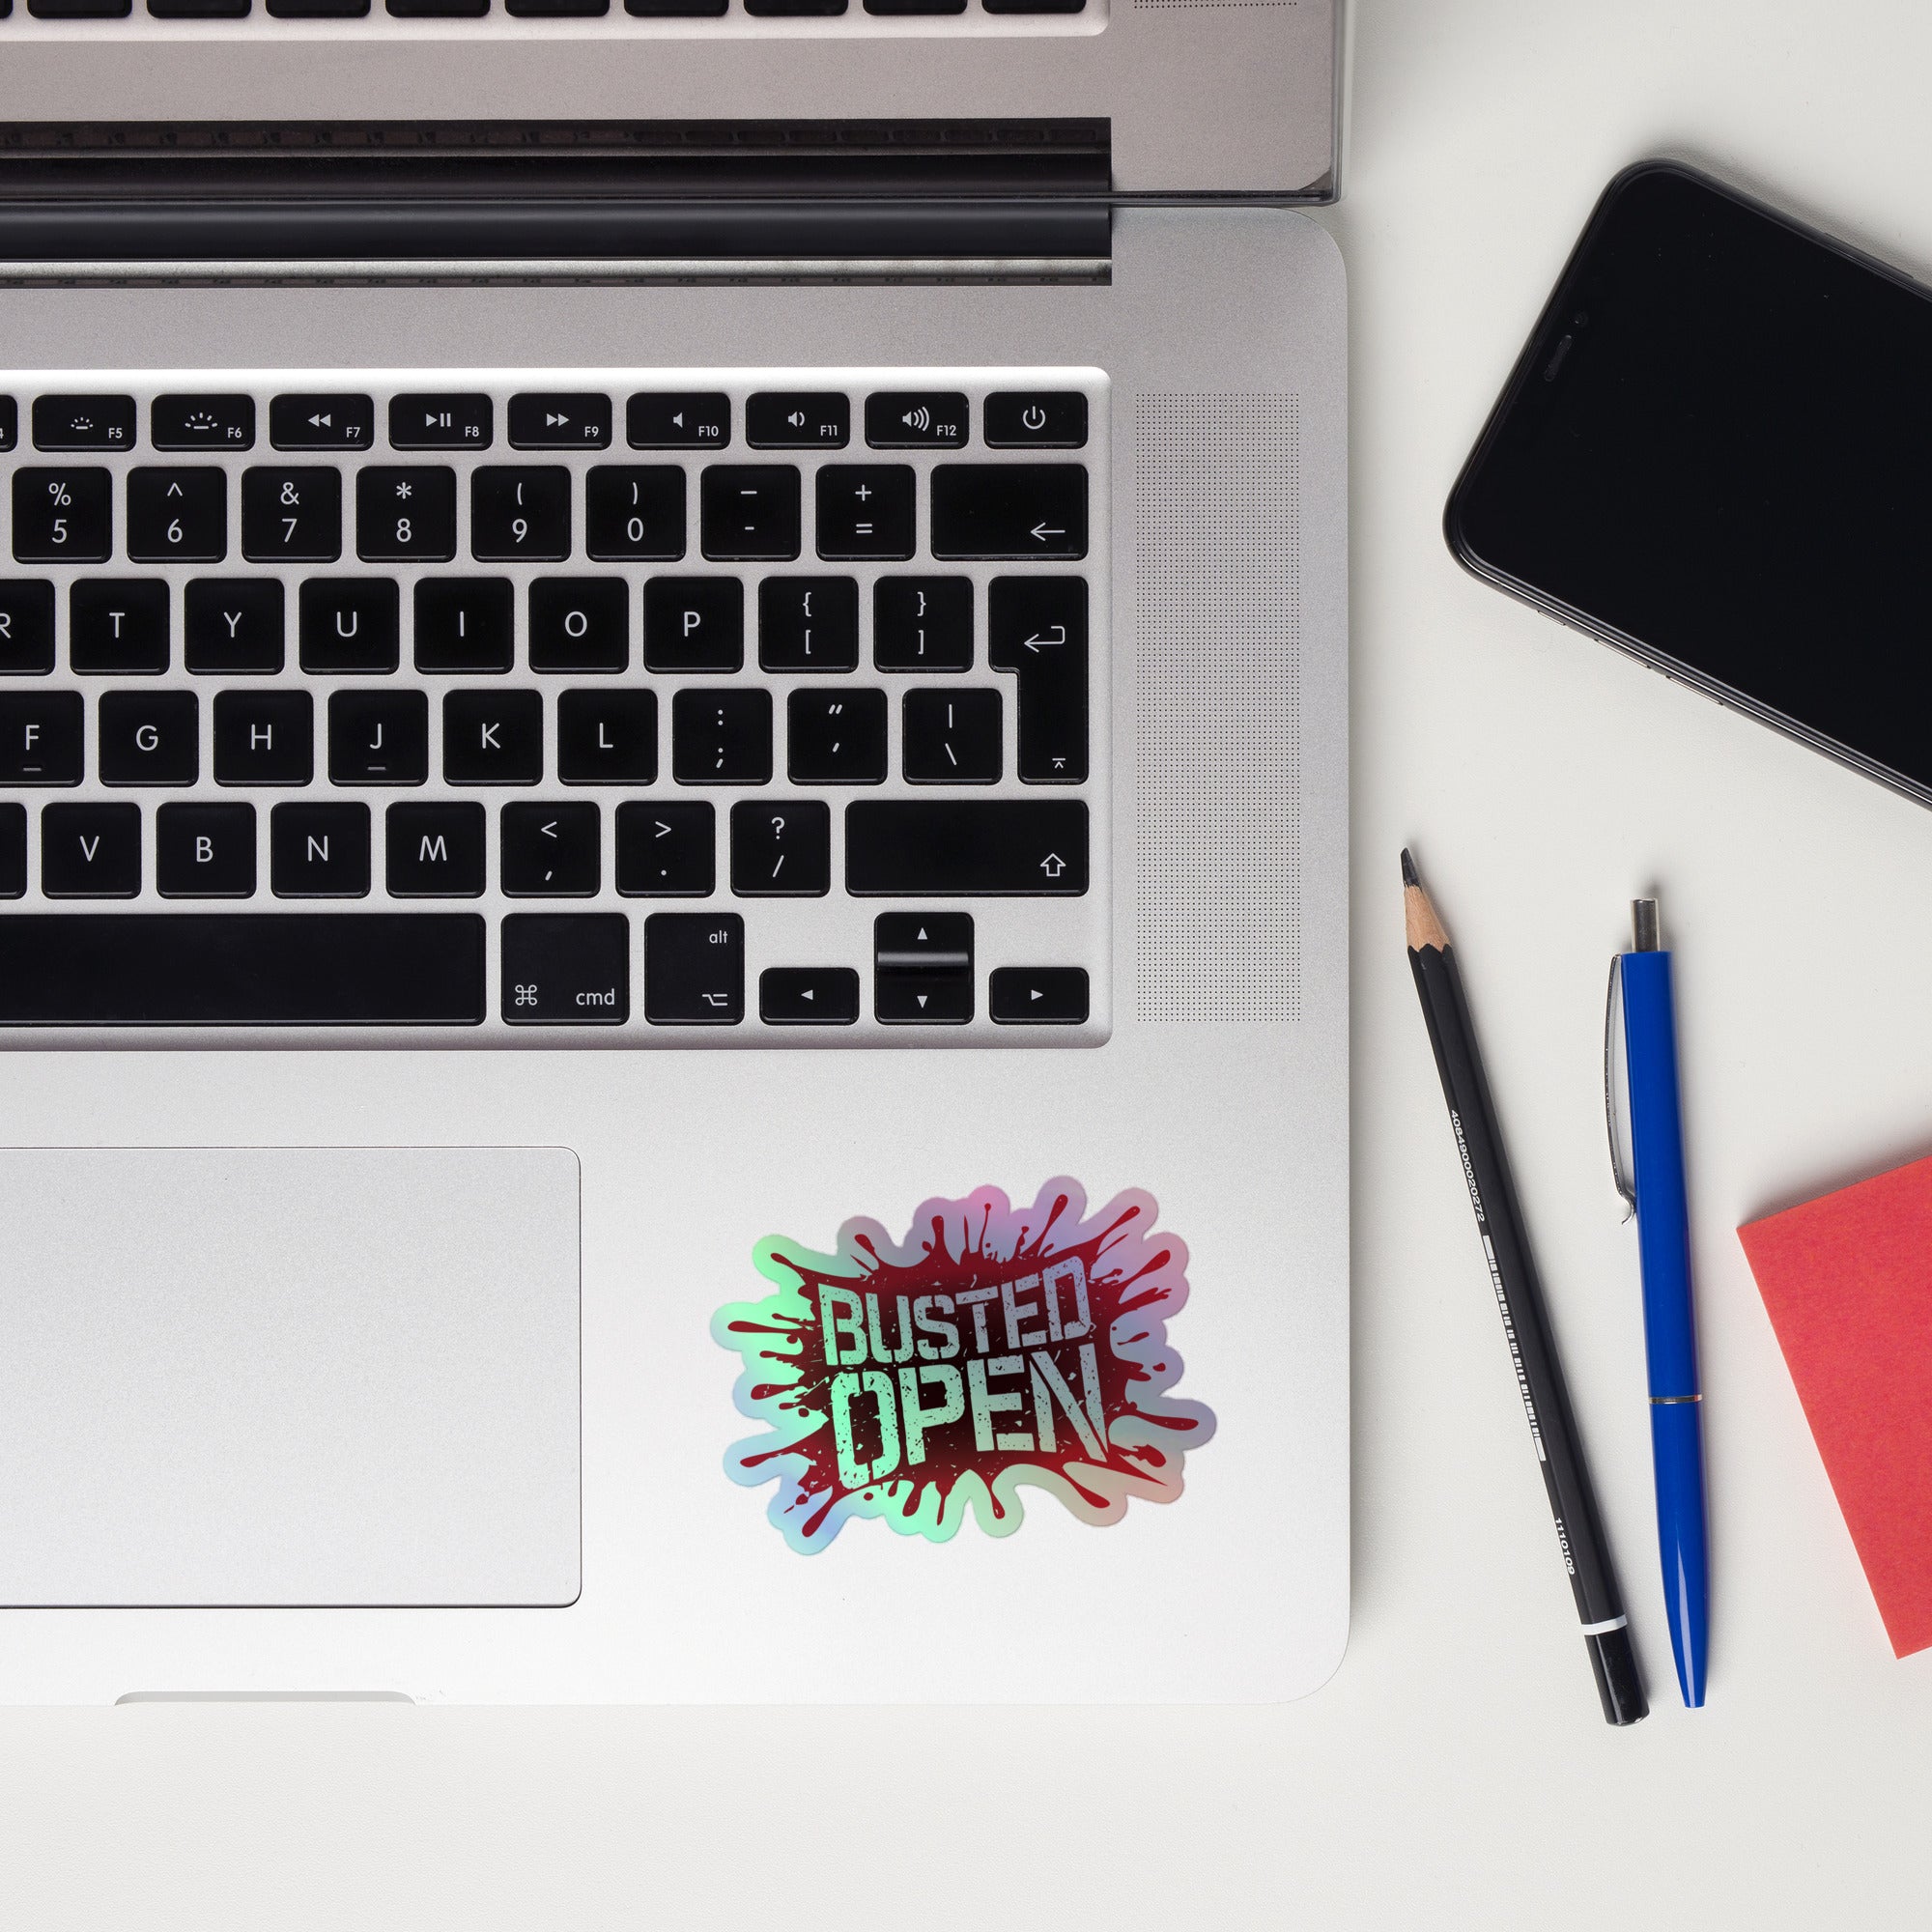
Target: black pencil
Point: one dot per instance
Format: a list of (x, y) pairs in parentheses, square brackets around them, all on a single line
[(1539, 1375)]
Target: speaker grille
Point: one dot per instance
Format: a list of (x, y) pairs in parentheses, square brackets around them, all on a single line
[(1218, 708)]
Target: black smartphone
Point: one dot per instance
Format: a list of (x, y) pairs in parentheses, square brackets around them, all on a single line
[(1715, 453)]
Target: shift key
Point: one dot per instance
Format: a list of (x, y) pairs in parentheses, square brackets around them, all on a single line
[(1010, 510), (966, 849)]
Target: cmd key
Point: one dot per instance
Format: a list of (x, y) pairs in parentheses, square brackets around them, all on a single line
[(1010, 510)]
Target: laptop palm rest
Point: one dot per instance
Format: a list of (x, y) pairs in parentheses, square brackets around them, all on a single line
[(286, 1377)]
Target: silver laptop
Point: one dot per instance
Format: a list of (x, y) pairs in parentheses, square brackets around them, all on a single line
[(793, 747)]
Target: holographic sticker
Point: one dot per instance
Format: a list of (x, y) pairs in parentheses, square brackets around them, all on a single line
[(996, 1349)]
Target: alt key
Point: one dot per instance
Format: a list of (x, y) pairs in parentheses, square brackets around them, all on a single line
[(566, 969), (1038, 996)]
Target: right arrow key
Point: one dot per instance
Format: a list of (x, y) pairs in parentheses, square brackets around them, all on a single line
[(1038, 996), (1010, 510)]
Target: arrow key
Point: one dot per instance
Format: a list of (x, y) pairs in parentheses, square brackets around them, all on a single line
[(1038, 996), (322, 422), (551, 851), (808, 996)]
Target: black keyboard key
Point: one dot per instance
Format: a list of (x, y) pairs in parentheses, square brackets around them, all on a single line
[(551, 851), (781, 849), (721, 737), (319, 851), (202, 423), (816, 419), (915, 6), (63, 516), (1037, 628), (783, 9), (443, 421), (435, 851), (1034, 418), (491, 737), (666, 851), (548, 9), (80, 10), (242, 969), (918, 420), (439, 9), (234, 624), (177, 516), (9, 422), (91, 851), (580, 623), (41, 738), (694, 623), (378, 737), (922, 623), (84, 422), (13, 851), (675, 9), (957, 848), (750, 512), (520, 512), (923, 968), (1010, 510), (1036, 7), (26, 627), (149, 737), (566, 969), (321, 422), (559, 422), (606, 737), (118, 624), (635, 511), (685, 419), (291, 516), (865, 511), (808, 623), (318, 10), (205, 851), (1038, 996), (694, 969), (465, 623), (808, 996), (198, 10), (350, 624), (953, 737), (406, 515), (264, 737), (835, 737)]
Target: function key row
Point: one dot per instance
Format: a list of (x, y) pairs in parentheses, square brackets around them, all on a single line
[(748, 512), (540, 10), (773, 419)]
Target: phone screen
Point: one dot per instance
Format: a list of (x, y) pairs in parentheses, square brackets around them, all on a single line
[(1718, 451)]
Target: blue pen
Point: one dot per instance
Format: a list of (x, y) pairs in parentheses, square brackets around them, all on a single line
[(1670, 1331)]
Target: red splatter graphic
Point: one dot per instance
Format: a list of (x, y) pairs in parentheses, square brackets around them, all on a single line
[(995, 1348)]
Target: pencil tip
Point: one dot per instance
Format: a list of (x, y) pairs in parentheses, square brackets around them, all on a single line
[(1408, 877)]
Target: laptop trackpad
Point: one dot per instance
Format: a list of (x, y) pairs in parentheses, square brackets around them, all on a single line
[(289, 1375)]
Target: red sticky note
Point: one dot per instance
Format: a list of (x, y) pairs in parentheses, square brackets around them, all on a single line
[(1847, 1280)]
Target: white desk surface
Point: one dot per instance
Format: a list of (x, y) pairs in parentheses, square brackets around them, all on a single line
[(1456, 1772)]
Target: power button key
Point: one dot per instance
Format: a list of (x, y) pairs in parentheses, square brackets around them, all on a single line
[(1036, 419)]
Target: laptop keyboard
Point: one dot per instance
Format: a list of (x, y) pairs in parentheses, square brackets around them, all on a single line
[(634, 707), (681, 15)]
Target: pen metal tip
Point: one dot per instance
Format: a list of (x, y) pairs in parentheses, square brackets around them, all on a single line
[(1408, 877)]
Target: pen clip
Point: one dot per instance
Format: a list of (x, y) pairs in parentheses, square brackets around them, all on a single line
[(1626, 1192)]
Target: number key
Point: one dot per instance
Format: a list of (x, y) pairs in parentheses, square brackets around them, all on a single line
[(177, 514), (404, 513), (291, 516), (520, 511), (63, 516), (635, 510)]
